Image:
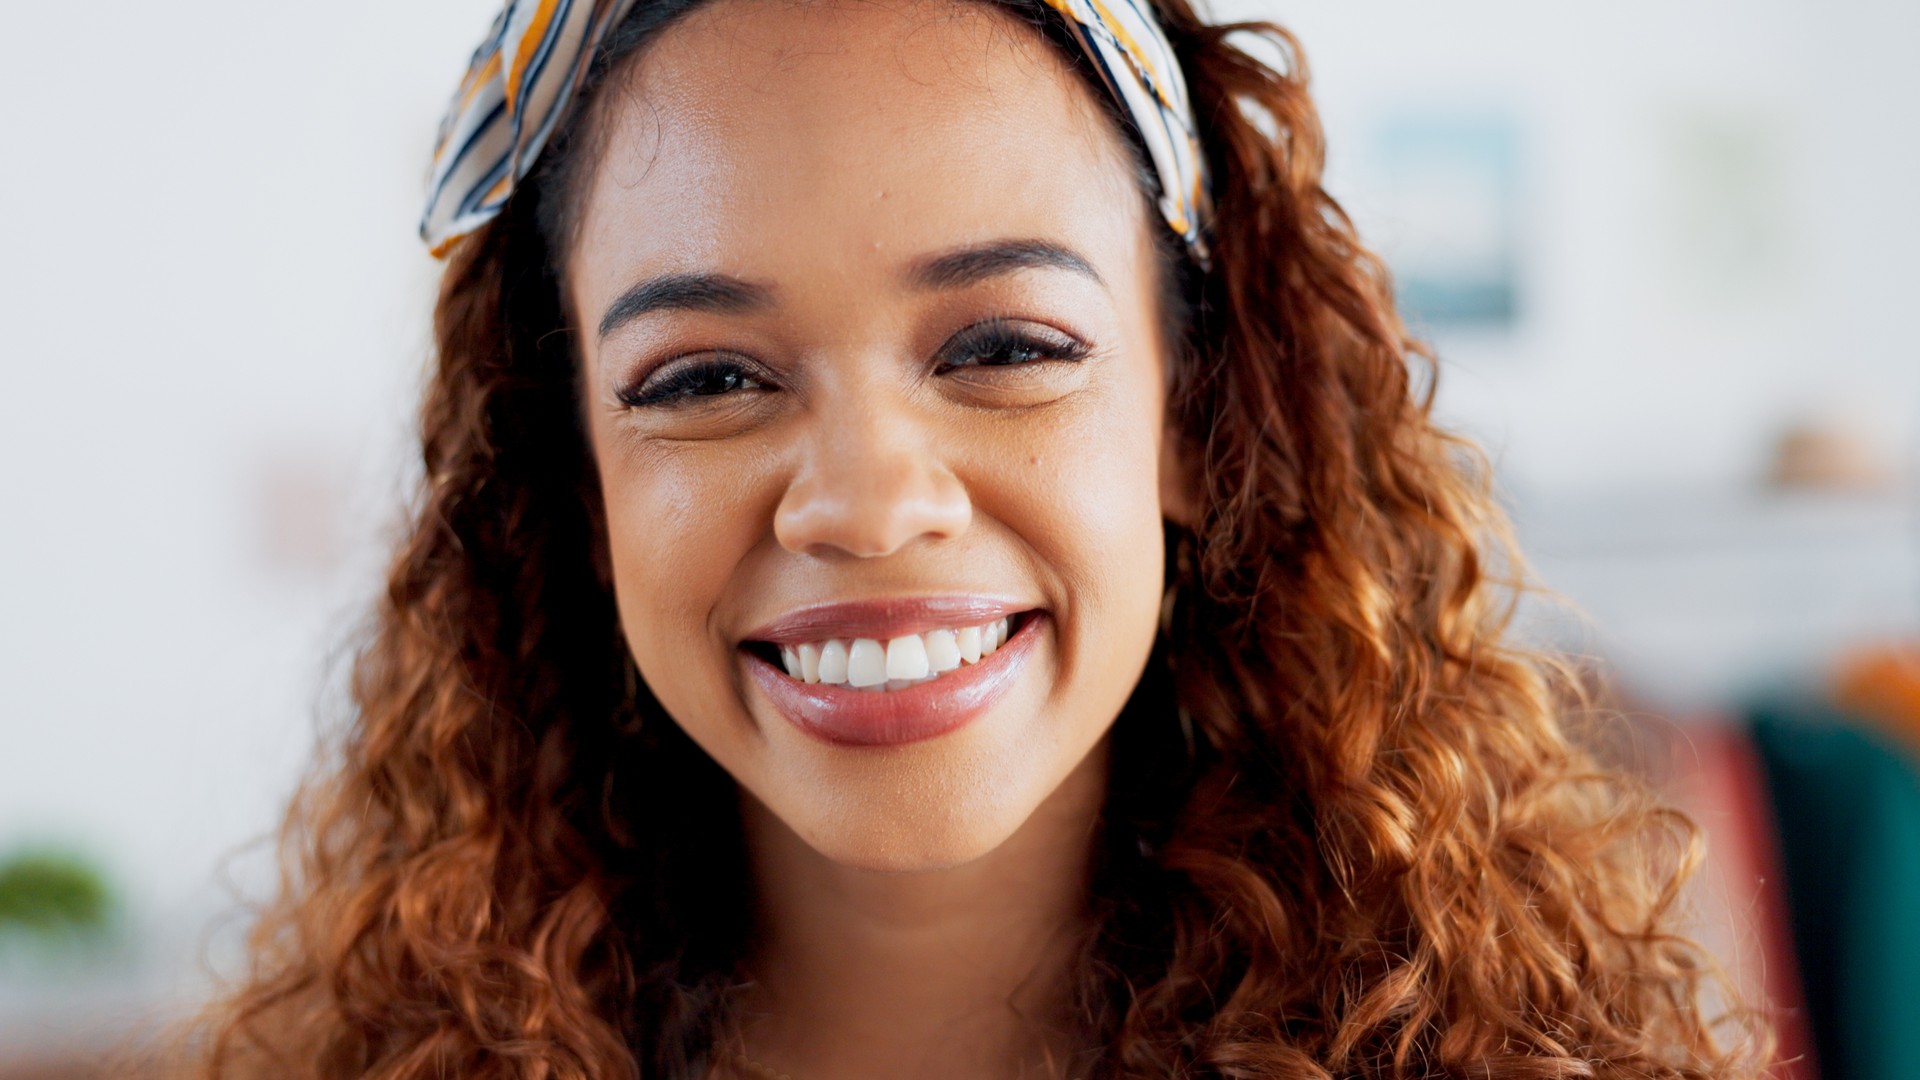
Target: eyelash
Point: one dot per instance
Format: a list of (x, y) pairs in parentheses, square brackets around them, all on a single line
[(996, 338), (682, 385)]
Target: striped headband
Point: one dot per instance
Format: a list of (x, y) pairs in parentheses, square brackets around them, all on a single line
[(524, 74)]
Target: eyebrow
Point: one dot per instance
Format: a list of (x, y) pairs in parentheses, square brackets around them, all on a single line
[(968, 266), (727, 295), (717, 293)]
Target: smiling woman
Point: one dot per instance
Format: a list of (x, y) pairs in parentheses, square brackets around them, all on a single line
[(885, 351), (931, 564)]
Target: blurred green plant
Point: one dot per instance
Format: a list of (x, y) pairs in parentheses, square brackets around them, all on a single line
[(52, 891)]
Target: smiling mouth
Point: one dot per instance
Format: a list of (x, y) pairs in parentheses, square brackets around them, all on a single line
[(891, 664), (890, 671)]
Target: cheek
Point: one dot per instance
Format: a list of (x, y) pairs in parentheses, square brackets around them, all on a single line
[(678, 525), (1089, 511)]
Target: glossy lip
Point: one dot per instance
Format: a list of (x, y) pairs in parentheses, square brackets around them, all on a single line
[(844, 716), (884, 619)]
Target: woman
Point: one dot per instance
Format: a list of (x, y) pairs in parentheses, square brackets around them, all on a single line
[(931, 563)]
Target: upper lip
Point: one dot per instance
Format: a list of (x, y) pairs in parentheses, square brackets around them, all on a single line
[(884, 619)]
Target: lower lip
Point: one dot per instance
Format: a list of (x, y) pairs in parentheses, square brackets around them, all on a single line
[(845, 716)]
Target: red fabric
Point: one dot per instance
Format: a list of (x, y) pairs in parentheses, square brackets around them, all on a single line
[(1740, 892)]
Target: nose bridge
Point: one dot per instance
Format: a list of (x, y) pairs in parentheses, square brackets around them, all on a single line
[(870, 478)]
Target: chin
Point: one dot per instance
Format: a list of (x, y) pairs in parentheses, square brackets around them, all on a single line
[(894, 850), (933, 813)]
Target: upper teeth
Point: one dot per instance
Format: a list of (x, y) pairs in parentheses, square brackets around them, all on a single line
[(868, 663)]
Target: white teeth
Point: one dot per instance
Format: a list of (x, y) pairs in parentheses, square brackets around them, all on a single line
[(833, 662), (866, 662), (943, 653), (908, 660), (968, 640)]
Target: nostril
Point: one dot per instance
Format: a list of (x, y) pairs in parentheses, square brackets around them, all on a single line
[(896, 496)]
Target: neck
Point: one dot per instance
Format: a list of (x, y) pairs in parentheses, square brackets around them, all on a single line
[(949, 974)]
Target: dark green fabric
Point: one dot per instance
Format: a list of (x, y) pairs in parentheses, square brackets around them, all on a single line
[(1846, 801)]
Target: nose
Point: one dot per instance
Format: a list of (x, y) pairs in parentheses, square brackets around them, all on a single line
[(868, 485)]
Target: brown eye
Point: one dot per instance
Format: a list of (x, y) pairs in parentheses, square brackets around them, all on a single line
[(689, 382), (999, 343)]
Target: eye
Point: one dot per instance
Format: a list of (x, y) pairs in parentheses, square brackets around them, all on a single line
[(688, 383), (1001, 343)]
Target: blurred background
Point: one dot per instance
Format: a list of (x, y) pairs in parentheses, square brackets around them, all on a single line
[(1666, 253)]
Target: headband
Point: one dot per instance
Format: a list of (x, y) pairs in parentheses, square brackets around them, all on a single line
[(525, 73)]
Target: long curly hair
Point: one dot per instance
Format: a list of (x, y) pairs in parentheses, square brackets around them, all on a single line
[(1348, 832)]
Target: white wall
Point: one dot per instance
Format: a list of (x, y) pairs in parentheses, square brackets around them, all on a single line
[(211, 292), (1643, 357), (215, 317)]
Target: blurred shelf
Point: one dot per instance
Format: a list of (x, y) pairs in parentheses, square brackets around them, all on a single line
[(1695, 599), (65, 1007)]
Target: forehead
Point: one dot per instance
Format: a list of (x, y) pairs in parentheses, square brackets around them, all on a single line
[(777, 137)]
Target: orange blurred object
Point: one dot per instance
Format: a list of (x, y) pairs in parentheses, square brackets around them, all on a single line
[(1882, 684)]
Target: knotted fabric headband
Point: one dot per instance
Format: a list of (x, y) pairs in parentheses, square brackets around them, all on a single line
[(524, 75)]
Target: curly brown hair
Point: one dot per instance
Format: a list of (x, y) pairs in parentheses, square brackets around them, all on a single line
[(1347, 831)]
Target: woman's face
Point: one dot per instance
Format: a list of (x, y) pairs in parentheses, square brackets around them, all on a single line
[(868, 310)]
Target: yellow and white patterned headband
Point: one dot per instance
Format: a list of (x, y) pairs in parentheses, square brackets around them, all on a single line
[(523, 76)]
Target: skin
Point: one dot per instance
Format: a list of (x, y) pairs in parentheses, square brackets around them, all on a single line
[(820, 153)]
